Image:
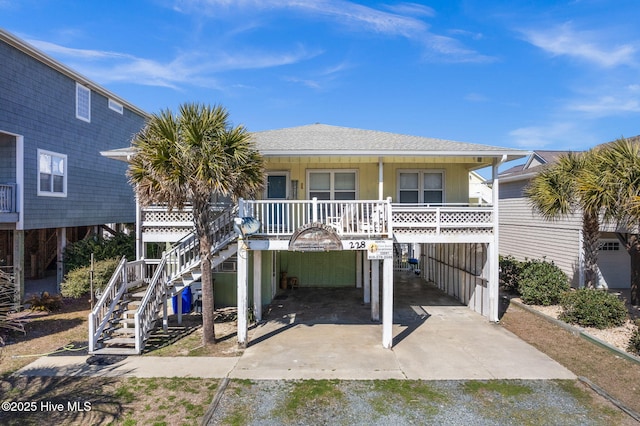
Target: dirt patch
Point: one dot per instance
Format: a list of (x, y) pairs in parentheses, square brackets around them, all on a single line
[(616, 375)]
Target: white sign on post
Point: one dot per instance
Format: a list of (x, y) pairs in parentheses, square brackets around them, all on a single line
[(379, 250)]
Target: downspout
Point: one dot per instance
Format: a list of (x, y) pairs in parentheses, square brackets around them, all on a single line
[(494, 265)]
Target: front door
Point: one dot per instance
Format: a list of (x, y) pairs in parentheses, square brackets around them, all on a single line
[(277, 189)]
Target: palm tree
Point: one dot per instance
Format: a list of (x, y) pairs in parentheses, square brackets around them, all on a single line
[(188, 157), (554, 193), (617, 186)]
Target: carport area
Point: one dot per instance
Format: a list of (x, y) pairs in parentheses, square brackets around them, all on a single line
[(324, 333)]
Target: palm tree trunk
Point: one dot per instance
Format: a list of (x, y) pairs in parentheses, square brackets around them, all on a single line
[(591, 238), (208, 305), (633, 248), (201, 222)]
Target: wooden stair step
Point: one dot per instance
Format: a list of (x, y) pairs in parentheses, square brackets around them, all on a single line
[(114, 351), (130, 341), (123, 331)]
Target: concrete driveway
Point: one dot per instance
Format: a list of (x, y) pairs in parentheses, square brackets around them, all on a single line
[(324, 333), (327, 333)]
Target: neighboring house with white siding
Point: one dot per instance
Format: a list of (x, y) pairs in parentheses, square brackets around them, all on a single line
[(479, 191), (525, 234)]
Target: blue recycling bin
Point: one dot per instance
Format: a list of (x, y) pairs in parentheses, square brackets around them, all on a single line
[(186, 301)]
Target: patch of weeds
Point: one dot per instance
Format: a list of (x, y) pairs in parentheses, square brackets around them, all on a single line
[(584, 398), (124, 394), (504, 388), (152, 385), (308, 396), (160, 420), (129, 421), (410, 394), (238, 417)]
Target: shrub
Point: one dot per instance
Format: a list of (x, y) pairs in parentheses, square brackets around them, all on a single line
[(634, 342), (542, 283), (77, 282), (45, 302), (510, 270), (589, 307), (78, 254)]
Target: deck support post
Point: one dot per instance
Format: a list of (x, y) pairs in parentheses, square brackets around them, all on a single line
[(493, 246), (375, 290), (367, 280), (257, 285), (242, 293), (387, 303), (359, 269)]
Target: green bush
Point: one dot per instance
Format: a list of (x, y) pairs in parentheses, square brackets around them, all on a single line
[(542, 283), (634, 342), (510, 270), (588, 307), (78, 254), (77, 282)]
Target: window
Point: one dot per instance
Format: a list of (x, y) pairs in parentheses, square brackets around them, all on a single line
[(610, 246), (425, 186), (116, 106), (332, 185), (83, 103), (52, 174)]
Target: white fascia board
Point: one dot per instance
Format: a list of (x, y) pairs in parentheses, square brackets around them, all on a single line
[(511, 155)]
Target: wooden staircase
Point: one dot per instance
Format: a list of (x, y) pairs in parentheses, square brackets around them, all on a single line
[(139, 292)]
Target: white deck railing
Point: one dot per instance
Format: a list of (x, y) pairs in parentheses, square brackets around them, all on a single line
[(7, 198), (442, 219), (284, 217), (357, 218)]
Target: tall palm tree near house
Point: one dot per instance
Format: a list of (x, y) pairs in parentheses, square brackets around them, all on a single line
[(185, 159), (616, 187), (554, 193)]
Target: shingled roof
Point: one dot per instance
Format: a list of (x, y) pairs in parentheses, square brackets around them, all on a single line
[(323, 139)]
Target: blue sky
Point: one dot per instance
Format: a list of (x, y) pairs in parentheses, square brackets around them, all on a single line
[(520, 74)]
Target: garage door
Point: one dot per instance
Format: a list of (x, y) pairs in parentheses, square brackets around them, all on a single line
[(613, 261)]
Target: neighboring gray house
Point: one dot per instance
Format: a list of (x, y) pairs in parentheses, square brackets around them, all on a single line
[(54, 184), (526, 234)]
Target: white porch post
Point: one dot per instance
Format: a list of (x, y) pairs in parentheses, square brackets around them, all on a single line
[(387, 303), (139, 245), (242, 293), (493, 246), (257, 285), (367, 280), (375, 290)]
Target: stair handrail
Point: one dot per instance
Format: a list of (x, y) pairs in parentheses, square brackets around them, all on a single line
[(124, 274), (146, 313), (180, 259)]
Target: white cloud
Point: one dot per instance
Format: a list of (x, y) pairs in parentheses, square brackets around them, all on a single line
[(476, 97), (402, 20), (560, 135), (606, 105), (586, 45), (190, 68)]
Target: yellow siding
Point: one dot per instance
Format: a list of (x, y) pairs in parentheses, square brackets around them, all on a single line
[(456, 175)]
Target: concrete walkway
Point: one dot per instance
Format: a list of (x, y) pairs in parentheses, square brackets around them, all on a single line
[(328, 334)]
